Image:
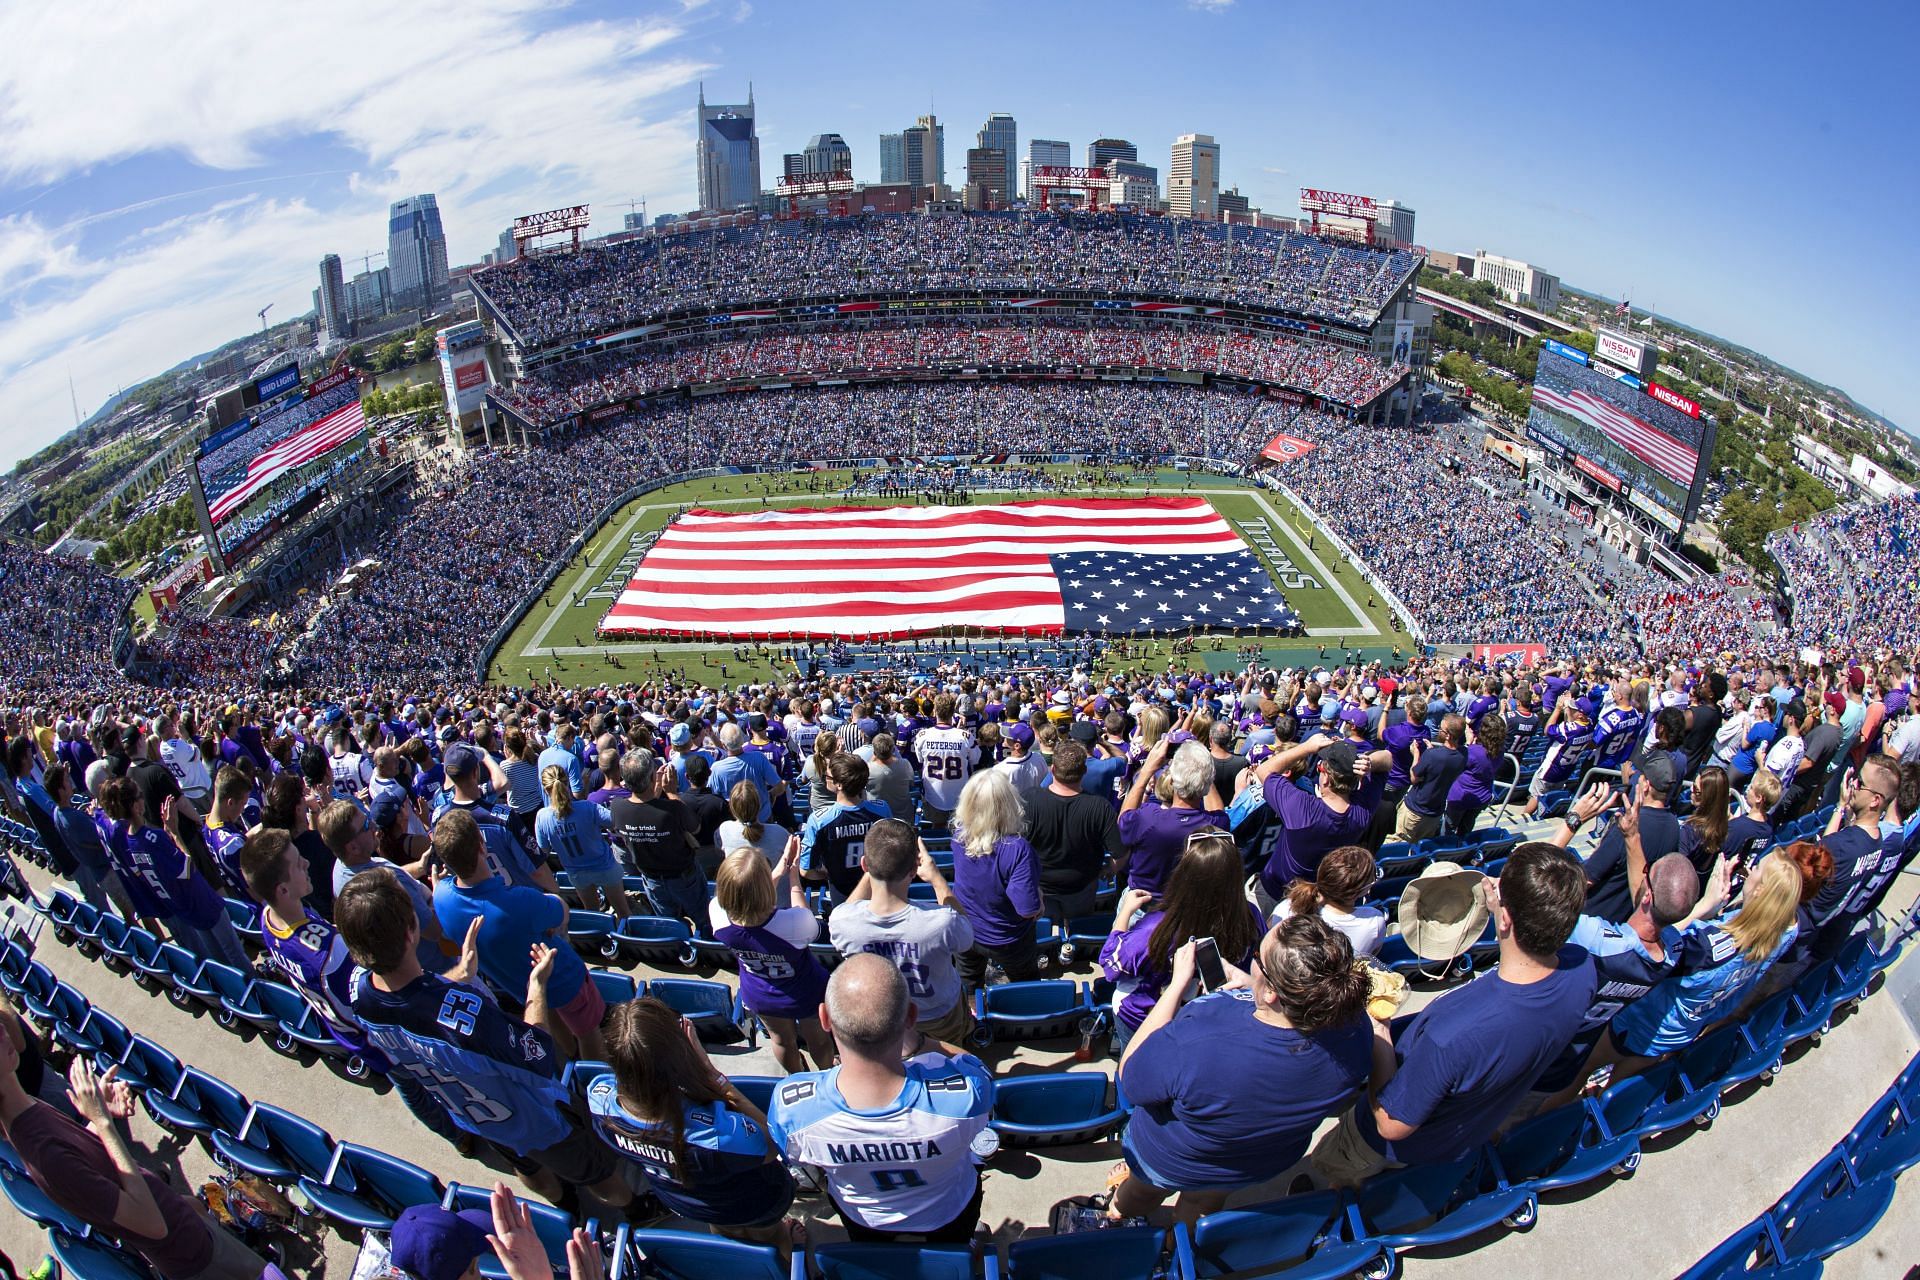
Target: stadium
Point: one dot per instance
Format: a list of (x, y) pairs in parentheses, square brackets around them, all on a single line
[(1086, 594)]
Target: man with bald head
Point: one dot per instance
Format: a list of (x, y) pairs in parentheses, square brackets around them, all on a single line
[(893, 1124)]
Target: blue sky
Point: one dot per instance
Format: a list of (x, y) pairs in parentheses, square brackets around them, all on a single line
[(167, 170)]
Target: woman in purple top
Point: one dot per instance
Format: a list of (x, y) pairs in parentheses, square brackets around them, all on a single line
[(1309, 824), (780, 981), (1206, 898), (996, 877), (1472, 791), (1156, 835)]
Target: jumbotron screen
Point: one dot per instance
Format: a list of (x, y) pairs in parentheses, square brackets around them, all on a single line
[(1629, 435), (261, 474)]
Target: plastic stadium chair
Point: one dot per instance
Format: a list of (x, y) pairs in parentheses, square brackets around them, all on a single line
[(1828, 1209), (200, 1105), (33, 1204), (1122, 1253), (1565, 1147), (1437, 1204), (591, 933), (654, 940), (1043, 1010), (1886, 1141), (897, 1262), (101, 1033), (1693, 1097), (366, 1189), (264, 1005), (693, 1255), (146, 1067), (1765, 1036), (36, 983), (246, 922), (577, 1075), (1753, 1250), (150, 968), (1055, 1109), (1307, 1237), (1635, 1108), (616, 988), (1083, 937), (81, 925), (276, 1145), (59, 909), (1811, 1011), (110, 936), (15, 957), (757, 1089), (707, 1005), (89, 1259), (229, 986), (553, 1226), (61, 1007)]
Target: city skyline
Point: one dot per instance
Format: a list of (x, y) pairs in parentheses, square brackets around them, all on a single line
[(153, 225)]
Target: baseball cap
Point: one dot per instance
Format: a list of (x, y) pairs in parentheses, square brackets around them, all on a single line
[(1857, 678), (431, 1243), (461, 760), (1657, 769), (1084, 731), (680, 736), (1020, 732), (449, 733), (1355, 717), (1339, 756), (1259, 753), (384, 810), (1837, 703)]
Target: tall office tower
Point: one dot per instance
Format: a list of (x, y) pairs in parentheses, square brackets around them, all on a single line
[(417, 254), (1042, 152), (828, 154), (1193, 180), (330, 302), (1001, 132), (986, 178), (1101, 150), (728, 154)]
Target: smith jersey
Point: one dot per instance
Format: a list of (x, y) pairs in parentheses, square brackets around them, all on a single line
[(724, 1175), (314, 958), (907, 1166), (947, 756), (496, 1078)]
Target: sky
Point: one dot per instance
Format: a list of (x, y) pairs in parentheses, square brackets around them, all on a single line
[(167, 170)]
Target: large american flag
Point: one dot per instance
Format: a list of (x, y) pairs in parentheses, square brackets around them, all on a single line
[(303, 446), (1674, 459), (1117, 566)]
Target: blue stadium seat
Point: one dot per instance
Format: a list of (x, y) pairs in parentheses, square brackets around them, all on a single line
[(553, 1226), (1434, 1204), (101, 1033), (1634, 1108), (690, 1255), (1693, 1095), (757, 1089), (245, 918), (707, 1005), (1081, 939), (1829, 1209), (150, 968), (1055, 1109), (33, 1204), (1121, 1253), (615, 988), (110, 936), (591, 933), (146, 1066), (1886, 1141), (1765, 1037), (265, 1005), (654, 940), (90, 1259), (1753, 1250), (1565, 1147), (1043, 1010), (61, 1007), (276, 1145), (898, 1262), (577, 1075), (78, 928), (1306, 1237), (366, 1190), (199, 1104)]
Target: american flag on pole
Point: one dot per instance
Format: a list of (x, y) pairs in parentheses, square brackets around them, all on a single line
[(303, 446), (1674, 459), (1117, 566)]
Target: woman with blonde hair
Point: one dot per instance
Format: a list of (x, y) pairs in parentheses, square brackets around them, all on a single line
[(744, 830), (576, 832), (996, 877), (780, 980)]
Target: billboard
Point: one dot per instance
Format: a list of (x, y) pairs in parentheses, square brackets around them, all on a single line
[(463, 368), (1285, 448), (1314, 200), (254, 477), (1630, 435), (572, 218), (277, 383), (1632, 354)]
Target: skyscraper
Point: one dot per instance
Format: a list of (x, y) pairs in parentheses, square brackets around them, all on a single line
[(893, 157), (793, 165), (1101, 150), (1002, 133), (417, 254), (727, 152), (1041, 152), (986, 178), (828, 154), (926, 152), (1193, 180), (331, 300)]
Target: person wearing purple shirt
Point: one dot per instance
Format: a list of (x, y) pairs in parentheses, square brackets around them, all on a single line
[(1156, 835), (1472, 791), (1310, 823), (996, 877)]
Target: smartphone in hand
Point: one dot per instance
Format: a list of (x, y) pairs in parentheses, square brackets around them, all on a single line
[(1206, 962)]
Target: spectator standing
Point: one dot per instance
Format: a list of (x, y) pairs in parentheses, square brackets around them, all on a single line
[(1309, 824), (1431, 780), (913, 1101), (745, 830), (576, 833), (781, 981), (832, 839), (880, 918), (1157, 835), (889, 775), (741, 765), (657, 833), (948, 755), (1443, 1085), (1073, 834), (996, 877)]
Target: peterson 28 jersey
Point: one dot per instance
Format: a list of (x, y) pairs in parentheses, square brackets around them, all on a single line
[(907, 1166)]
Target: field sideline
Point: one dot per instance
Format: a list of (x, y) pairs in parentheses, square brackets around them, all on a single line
[(556, 641)]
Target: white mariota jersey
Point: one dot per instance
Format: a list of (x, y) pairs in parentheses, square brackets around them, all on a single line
[(905, 1167)]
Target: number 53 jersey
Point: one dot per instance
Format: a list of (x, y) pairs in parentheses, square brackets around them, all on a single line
[(907, 1166)]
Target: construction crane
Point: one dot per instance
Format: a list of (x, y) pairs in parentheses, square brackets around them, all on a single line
[(263, 316), (641, 204)]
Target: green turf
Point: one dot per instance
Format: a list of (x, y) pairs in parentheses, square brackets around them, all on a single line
[(570, 652)]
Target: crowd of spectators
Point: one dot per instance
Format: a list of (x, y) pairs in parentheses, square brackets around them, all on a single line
[(553, 298), (1317, 368), (1850, 574)]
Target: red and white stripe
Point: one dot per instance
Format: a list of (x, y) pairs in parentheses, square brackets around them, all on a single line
[(303, 446), (893, 571), (1670, 457)]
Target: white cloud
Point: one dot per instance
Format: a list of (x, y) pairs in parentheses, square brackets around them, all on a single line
[(1210, 6), (500, 107)]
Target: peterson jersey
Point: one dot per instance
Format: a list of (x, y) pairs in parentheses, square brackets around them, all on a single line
[(907, 1166)]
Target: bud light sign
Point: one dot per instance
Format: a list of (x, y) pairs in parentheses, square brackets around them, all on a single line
[(279, 382)]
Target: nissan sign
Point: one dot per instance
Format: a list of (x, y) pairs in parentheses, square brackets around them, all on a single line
[(1628, 353), (1673, 400)]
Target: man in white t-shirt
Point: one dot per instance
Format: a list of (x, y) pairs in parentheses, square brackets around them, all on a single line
[(947, 755), (184, 761), (892, 1125), (879, 918)]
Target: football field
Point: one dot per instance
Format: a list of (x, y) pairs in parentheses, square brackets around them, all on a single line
[(557, 640)]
